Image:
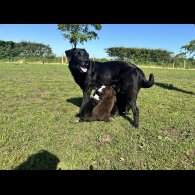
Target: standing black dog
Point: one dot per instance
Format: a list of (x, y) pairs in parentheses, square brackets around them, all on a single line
[(91, 75)]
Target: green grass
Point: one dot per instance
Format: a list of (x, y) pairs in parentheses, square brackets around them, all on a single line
[(38, 107)]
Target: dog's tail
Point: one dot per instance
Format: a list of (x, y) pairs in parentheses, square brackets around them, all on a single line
[(147, 83)]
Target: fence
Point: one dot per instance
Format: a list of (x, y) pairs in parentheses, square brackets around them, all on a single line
[(177, 63), (62, 60)]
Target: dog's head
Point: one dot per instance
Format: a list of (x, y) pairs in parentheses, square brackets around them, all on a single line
[(97, 93), (79, 58), (106, 91)]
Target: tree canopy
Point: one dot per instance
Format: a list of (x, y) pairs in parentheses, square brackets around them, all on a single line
[(10, 49), (79, 33), (190, 48), (140, 54)]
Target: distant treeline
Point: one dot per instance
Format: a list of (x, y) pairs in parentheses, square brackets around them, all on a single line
[(10, 50), (152, 56), (140, 54), (37, 52)]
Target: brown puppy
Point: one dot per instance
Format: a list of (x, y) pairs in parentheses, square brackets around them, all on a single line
[(102, 111)]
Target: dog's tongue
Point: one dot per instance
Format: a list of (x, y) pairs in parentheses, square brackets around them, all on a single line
[(84, 69)]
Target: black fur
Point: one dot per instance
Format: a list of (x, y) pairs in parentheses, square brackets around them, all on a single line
[(128, 77)]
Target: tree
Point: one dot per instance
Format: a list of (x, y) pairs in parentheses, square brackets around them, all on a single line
[(76, 33), (140, 54), (181, 55), (10, 50), (31, 49), (190, 48)]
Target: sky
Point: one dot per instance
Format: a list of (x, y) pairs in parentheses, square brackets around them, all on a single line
[(164, 36)]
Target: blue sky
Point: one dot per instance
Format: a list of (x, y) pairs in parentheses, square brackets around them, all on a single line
[(165, 36)]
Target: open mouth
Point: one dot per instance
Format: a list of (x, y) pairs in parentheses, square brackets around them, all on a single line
[(83, 69)]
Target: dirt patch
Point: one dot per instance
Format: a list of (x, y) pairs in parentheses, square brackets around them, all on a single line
[(172, 133), (79, 138), (105, 138), (30, 81), (43, 91), (190, 157)]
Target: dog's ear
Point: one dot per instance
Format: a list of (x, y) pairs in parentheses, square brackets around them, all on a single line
[(69, 54), (85, 51)]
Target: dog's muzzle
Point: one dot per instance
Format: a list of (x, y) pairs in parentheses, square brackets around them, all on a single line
[(84, 65)]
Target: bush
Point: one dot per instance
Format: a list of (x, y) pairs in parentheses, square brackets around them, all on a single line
[(140, 54)]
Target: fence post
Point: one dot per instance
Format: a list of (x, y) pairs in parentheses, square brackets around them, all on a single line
[(184, 64), (66, 60), (62, 59), (174, 64)]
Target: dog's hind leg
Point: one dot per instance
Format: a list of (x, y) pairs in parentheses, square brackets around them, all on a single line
[(131, 104), (105, 118), (135, 110)]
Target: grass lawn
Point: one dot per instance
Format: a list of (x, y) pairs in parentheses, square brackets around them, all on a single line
[(38, 128)]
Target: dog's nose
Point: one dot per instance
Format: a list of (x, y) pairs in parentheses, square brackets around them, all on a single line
[(86, 61)]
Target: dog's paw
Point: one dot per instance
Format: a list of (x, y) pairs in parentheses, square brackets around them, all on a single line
[(135, 126), (111, 119), (126, 113), (77, 115)]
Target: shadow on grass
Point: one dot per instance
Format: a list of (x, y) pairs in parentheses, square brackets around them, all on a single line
[(43, 160), (76, 101), (171, 87)]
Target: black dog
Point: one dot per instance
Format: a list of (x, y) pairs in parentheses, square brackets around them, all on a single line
[(91, 75)]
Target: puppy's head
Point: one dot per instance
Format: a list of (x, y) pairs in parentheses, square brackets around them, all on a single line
[(101, 88), (108, 91), (98, 93), (78, 57)]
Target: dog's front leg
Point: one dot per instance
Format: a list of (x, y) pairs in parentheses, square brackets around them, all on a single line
[(86, 97)]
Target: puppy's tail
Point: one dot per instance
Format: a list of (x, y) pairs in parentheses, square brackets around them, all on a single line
[(149, 83)]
